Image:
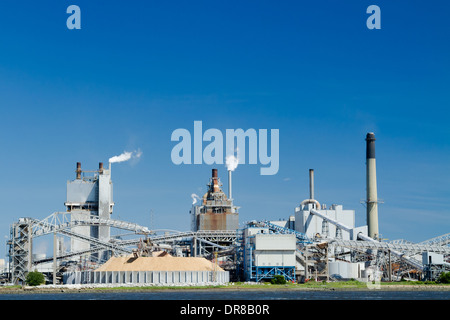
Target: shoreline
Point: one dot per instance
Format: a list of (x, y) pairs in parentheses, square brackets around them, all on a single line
[(255, 287)]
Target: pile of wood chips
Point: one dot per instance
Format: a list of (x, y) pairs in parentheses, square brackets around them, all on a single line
[(158, 262)]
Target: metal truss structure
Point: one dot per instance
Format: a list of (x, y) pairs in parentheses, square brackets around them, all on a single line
[(20, 249), (22, 233), (264, 273), (312, 254), (410, 248), (221, 243), (302, 239), (443, 240)]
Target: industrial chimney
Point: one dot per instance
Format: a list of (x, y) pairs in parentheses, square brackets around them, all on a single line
[(229, 185), (311, 184), (78, 171), (371, 187), (215, 181)]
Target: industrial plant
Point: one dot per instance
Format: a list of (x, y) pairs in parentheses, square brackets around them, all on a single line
[(314, 242)]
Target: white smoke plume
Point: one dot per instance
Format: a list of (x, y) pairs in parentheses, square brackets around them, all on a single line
[(231, 162), (194, 198), (125, 156)]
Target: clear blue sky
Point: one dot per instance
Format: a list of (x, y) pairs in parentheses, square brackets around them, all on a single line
[(136, 72)]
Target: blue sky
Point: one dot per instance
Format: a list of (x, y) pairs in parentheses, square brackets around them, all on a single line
[(134, 73)]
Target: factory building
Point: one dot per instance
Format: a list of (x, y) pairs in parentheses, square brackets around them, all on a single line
[(314, 226), (90, 194), (346, 270), (161, 269), (313, 219), (315, 241), (216, 211), (266, 254), (434, 264)]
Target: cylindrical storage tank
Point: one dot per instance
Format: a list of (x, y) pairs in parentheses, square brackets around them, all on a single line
[(345, 270), (39, 256)]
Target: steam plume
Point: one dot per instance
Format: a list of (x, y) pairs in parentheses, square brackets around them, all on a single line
[(125, 156), (231, 162), (194, 198)]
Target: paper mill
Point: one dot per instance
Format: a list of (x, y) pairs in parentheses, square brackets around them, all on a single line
[(314, 241)]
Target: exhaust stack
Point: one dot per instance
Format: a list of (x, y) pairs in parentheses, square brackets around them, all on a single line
[(229, 185), (311, 184), (215, 181), (78, 171), (371, 187)]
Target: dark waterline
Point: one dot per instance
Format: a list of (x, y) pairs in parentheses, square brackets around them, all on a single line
[(237, 295)]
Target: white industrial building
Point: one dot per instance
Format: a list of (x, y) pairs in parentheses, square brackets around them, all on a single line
[(314, 224), (90, 195), (315, 241), (267, 254), (147, 277)]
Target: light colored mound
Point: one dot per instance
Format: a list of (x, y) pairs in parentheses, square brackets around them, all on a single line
[(158, 263)]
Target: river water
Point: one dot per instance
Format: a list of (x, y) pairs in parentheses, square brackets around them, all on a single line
[(208, 295), (228, 304)]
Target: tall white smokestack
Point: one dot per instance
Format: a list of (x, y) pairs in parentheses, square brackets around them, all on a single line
[(311, 184), (371, 187), (231, 163), (230, 196)]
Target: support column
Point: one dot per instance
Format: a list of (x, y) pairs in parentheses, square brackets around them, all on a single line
[(54, 256)]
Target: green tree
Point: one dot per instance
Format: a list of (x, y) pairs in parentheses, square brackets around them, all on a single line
[(35, 278), (444, 277), (278, 279)]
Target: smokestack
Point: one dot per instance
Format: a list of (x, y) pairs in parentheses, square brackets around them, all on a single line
[(229, 185), (215, 180), (311, 184), (371, 187), (78, 171), (100, 167)]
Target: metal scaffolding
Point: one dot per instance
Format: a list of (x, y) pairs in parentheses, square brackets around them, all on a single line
[(202, 243), (20, 249)]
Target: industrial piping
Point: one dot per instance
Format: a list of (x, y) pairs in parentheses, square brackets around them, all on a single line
[(363, 237), (326, 218)]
